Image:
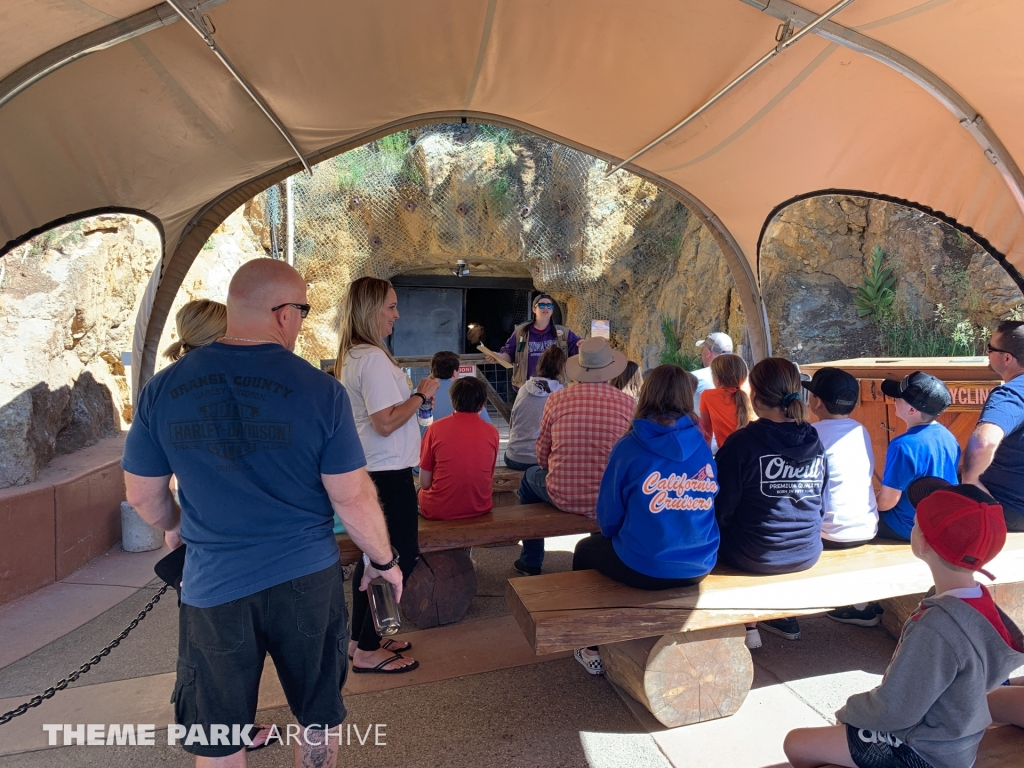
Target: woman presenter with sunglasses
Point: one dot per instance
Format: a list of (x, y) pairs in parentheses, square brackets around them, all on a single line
[(529, 340)]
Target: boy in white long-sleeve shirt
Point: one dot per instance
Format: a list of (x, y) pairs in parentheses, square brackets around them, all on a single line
[(849, 505)]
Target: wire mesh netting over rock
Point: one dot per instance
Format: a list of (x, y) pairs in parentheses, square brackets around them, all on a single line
[(511, 205)]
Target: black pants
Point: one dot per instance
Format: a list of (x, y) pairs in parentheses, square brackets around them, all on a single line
[(597, 552), (398, 500), (885, 532), (1014, 520), (829, 544)]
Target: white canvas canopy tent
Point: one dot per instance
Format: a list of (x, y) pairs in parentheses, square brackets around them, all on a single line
[(119, 105)]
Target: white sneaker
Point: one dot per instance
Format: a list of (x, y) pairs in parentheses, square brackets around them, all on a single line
[(753, 638), (590, 660)]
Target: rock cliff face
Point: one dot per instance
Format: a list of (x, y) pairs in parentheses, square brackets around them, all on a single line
[(614, 248), (67, 311), (814, 256), (68, 302)]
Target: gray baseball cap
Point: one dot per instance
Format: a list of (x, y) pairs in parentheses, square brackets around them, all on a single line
[(719, 343)]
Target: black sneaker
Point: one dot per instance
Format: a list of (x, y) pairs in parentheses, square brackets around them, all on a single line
[(787, 628), (869, 617), (526, 570)]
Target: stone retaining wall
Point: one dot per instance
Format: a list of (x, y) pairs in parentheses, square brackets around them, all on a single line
[(66, 518)]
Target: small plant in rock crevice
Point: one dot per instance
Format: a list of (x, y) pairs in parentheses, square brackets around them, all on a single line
[(876, 293), (498, 193), (672, 354), (902, 332)]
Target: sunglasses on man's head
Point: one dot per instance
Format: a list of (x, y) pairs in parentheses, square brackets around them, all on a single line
[(303, 308), (545, 305), (992, 349)]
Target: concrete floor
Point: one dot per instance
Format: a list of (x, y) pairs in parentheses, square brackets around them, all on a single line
[(480, 697)]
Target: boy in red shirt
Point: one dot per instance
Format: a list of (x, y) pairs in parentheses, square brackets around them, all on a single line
[(457, 458)]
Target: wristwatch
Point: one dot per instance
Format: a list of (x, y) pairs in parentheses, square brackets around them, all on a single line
[(386, 566), (421, 397)]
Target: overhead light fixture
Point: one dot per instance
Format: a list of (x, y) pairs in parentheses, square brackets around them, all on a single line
[(460, 270)]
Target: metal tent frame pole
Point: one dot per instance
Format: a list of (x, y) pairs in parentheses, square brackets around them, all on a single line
[(784, 41), (199, 25), (289, 239), (996, 152)]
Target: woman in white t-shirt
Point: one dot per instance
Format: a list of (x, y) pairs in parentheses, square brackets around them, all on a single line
[(383, 406)]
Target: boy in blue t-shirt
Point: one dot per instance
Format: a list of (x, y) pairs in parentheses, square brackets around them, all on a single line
[(927, 448)]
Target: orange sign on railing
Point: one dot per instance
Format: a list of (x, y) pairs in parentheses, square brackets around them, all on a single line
[(962, 394), (969, 392)]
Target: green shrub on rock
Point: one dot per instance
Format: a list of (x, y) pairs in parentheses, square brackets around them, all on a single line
[(673, 355)]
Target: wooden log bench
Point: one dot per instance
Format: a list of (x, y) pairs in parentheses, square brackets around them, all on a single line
[(440, 589), (680, 652)]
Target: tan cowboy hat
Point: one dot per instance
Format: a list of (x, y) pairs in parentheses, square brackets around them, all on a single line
[(596, 361)]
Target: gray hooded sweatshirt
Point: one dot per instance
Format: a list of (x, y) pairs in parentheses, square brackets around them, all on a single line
[(524, 425), (933, 695)]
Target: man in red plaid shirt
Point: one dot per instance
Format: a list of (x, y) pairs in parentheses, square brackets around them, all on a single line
[(579, 427)]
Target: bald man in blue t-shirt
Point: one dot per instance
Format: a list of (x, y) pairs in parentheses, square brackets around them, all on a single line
[(265, 451)]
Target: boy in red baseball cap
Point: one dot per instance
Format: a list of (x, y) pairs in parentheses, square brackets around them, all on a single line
[(930, 710)]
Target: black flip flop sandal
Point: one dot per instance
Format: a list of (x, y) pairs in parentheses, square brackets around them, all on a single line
[(379, 669), (258, 729), (388, 644)]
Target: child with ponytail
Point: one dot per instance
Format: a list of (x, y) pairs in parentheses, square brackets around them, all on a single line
[(725, 408), (198, 323), (772, 475)]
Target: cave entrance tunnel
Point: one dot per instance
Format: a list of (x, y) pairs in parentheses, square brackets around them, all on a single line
[(440, 313)]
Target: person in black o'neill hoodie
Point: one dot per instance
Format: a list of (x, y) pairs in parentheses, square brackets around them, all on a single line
[(771, 474)]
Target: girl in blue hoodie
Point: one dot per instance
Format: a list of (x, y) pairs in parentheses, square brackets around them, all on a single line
[(656, 506)]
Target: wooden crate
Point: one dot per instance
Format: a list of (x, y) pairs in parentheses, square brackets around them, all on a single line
[(968, 379)]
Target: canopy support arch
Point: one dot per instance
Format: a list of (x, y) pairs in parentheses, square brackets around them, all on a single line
[(946, 219), (968, 117), (98, 40), (198, 24), (785, 39), (173, 268)]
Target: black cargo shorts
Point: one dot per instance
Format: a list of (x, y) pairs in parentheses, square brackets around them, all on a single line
[(302, 624)]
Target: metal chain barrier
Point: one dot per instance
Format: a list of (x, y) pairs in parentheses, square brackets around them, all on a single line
[(50, 692)]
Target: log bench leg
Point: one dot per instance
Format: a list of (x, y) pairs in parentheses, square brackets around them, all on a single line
[(684, 678), (1009, 597), (896, 611), (440, 589)]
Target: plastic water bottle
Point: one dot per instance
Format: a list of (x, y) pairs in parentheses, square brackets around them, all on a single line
[(425, 414), (383, 608)]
